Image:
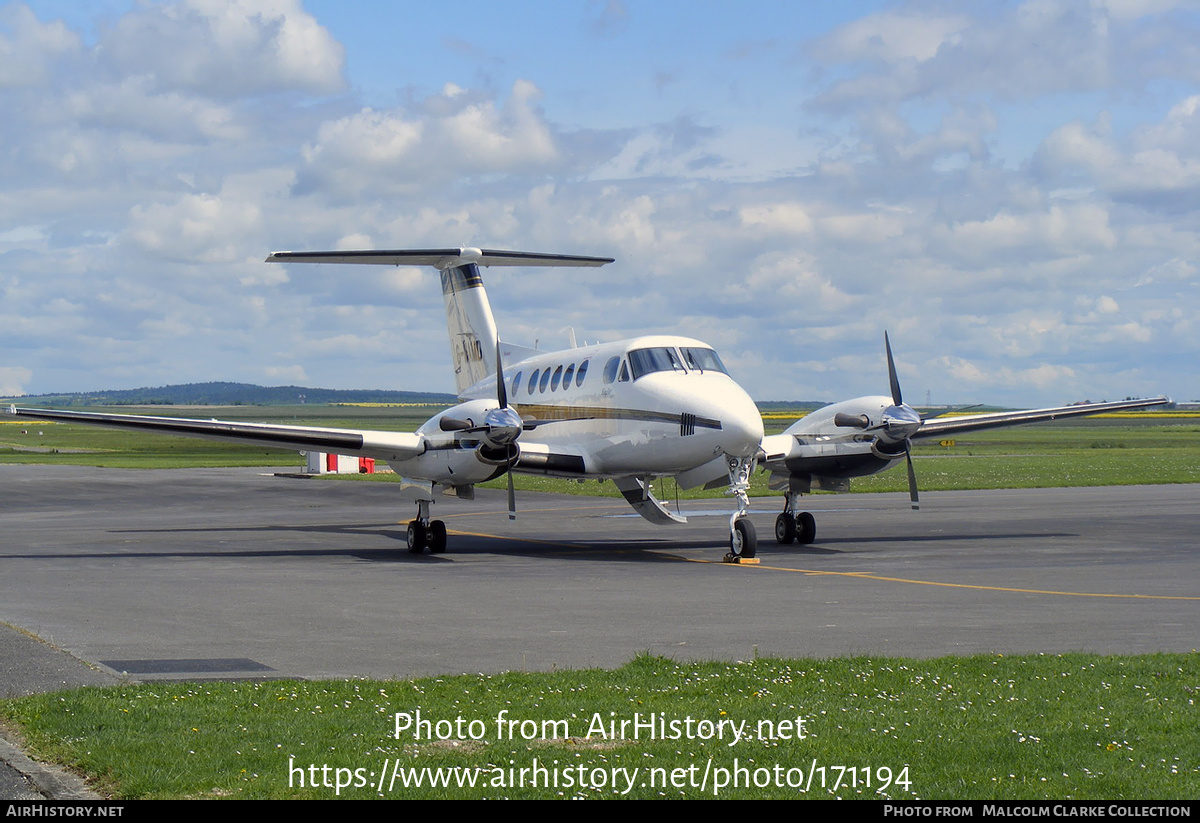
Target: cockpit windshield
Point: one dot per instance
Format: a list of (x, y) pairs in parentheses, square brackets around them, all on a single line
[(666, 358), (703, 360), (645, 361)]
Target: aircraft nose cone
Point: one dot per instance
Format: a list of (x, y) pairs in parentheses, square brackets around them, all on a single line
[(742, 424)]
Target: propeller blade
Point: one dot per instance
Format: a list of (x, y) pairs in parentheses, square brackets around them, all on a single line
[(903, 421), (501, 391), (893, 379), (512, 496), (502, 399), (912, 477)]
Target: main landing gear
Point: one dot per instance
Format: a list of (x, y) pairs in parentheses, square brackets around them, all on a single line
[(424, 533), (792, 526), (743, 541)]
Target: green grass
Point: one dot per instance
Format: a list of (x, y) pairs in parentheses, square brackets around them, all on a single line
[(984, 727)]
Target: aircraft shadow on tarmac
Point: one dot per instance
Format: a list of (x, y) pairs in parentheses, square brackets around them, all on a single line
[(598, 549)]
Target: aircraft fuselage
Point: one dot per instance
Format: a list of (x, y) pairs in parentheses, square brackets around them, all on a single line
[(649, 406)]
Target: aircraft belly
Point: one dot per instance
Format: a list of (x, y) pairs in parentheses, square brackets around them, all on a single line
[(655, 449)]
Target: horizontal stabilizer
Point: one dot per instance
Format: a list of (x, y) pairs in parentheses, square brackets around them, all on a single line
[(438, 258)]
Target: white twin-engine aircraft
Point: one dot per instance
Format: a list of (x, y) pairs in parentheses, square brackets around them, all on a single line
[(631, 411)]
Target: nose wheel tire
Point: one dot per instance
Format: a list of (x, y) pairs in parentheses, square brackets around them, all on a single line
[(743, 541)]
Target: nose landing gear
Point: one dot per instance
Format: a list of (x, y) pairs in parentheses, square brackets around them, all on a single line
[(743, 541)]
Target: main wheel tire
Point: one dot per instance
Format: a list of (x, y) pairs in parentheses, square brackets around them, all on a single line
[(806, 528), (417, 537), (743, 542), (785, 529), (437, 537)]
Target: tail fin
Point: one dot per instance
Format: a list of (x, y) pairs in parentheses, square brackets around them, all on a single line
[(470, 323), (468, 312)]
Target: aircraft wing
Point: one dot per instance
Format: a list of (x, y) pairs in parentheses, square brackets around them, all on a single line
[(940, 427), (379, 445), (438, 258)]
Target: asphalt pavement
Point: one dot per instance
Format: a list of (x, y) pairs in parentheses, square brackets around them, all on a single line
[(114, 575)]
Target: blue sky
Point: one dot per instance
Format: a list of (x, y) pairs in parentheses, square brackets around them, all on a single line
[(1010, 189)]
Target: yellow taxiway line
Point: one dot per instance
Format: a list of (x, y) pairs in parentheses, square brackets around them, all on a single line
[(869, 576), (821, 572)]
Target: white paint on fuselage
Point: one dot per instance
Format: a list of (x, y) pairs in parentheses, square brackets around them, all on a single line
[(630, 427)]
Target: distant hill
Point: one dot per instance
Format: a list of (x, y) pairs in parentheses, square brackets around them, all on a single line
[(231, 394)]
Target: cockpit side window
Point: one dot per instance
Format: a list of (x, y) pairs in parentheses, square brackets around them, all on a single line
[(702, 359), (646, 361), (624, 378)]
